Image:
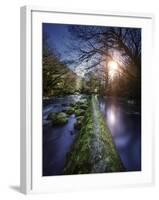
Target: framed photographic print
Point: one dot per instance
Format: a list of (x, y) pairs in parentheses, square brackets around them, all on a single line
[(86, 100)]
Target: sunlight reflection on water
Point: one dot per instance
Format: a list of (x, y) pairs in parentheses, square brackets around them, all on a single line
[(111, 116), (125, 127)]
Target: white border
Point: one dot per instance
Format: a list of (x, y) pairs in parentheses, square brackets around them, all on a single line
[(31, 101)]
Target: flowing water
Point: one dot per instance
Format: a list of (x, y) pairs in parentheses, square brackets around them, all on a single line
[(123, 119), (57, 140)]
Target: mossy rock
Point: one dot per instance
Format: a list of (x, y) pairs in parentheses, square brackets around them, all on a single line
[(81, 102), (80, 112), (70, 111), (59, 119), (83, 106), (78, 123)]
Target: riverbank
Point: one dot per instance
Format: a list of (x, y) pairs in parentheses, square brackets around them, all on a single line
[(94, 150)]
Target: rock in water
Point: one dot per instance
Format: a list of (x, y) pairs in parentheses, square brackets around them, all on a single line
[(59, 119), (70, 111)]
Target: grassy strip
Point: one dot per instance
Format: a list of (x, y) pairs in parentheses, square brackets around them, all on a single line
[(109, 157), (81, 159)]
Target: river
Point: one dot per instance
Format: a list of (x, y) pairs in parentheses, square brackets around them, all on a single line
[(124, 122), (57, 141), (123, 119)]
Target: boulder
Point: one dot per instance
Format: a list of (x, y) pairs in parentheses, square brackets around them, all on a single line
[(83, 106), (70, 111), (59, 119), (80, 112)]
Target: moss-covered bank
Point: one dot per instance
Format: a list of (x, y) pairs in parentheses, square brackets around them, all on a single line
[(94, 150)]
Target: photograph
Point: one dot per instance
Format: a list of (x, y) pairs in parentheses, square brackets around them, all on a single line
[(91, 99)]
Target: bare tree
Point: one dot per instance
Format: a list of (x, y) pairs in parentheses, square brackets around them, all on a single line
[(95, 41), (99, 45)]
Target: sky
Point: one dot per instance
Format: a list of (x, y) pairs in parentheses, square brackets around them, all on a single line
[(63, 42), (58, 37), (61, 39)]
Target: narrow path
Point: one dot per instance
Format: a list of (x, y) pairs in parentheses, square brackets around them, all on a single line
[(97, 144)]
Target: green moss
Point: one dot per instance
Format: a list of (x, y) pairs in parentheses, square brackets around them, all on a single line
[(59, 118), (109, 152), (70, 111), (79, 158), (83, 106), (78, 123), (80, 112), (94, 150), (78, 108)]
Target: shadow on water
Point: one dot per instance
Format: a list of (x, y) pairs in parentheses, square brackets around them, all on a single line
[(124, 122)]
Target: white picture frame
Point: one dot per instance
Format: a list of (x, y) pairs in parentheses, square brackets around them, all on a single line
[(31, 101)]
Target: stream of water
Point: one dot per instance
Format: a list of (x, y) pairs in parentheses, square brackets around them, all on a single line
[(124, 122), (123, 119)]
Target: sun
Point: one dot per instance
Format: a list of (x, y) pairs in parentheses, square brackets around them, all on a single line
[(113, 69)]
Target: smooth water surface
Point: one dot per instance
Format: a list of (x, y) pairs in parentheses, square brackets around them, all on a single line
[(124, 121)]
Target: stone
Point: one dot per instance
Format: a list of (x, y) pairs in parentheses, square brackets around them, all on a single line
[(59, 119), (70, 111)]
